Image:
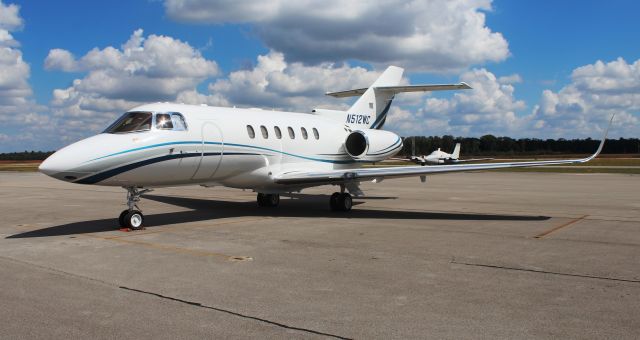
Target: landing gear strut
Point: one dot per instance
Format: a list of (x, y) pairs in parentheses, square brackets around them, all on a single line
[(268, 200), (132, 217), (340, 201)]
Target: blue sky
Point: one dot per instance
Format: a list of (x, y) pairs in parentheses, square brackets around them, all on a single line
[(534, 64)]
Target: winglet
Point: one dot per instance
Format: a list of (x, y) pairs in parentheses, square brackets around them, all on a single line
[(604, 138)]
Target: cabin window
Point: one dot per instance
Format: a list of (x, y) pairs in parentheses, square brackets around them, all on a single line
[(178, 122), (304, 133), (278, 132), (265, 133), (131, 122), (252, 134), (291, 133), (315, 133), (163, 121)]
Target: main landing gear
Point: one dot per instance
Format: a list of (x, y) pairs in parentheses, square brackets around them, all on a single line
[(132, 217), (340, 201), (268, 200)]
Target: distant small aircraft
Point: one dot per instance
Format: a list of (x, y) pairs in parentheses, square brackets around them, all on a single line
[(439, 156), (269, 152)]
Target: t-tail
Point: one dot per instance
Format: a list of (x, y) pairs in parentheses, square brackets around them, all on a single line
[(456, 152), (371, 109)]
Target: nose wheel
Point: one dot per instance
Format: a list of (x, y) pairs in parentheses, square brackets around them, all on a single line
[(132, 218)]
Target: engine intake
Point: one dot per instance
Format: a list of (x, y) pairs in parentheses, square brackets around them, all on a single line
[(356, 144)]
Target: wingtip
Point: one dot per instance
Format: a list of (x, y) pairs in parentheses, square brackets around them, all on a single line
[(606, 132), (604, 139), (464, 85)]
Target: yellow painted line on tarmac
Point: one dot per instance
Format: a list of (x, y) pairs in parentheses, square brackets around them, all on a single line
[(174, 249), (195, 252), (564, 225)]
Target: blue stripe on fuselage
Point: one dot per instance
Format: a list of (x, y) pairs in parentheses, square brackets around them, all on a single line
[(95, 178), (229, 144), (92, 179)]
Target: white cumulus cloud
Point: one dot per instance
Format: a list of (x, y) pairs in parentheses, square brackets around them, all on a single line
[(20, 116), (489, 108), (15, 91), (10, 19), (583, 107), (435, 36), (143, 69), (274, 83)]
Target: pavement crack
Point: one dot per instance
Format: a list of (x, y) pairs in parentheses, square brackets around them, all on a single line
[(545, 272), (197, 304)]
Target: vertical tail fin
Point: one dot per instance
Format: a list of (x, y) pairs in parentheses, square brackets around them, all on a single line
[(370, 110), (456, 152)]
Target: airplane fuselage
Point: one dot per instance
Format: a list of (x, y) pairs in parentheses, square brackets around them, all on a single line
[(240, 148)]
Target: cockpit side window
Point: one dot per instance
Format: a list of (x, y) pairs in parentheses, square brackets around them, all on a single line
[(178, 122), (163, 121), (131, 122)]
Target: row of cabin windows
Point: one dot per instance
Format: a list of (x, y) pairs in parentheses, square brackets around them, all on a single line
[(292, 134)]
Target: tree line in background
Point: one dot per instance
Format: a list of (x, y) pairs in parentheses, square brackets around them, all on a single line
[(488, 145), (25, 156)]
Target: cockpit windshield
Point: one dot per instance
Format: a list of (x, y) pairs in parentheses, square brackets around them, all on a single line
[(131, 122)]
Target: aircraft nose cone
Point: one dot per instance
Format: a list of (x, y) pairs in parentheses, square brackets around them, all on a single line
[(62, 165), (52, 165)]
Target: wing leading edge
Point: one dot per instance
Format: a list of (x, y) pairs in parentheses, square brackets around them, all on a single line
[(349, 175)]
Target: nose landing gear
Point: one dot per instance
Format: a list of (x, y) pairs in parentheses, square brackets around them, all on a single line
[(132, 217)]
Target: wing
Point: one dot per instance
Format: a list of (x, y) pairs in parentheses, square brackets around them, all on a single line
[(348, 175)]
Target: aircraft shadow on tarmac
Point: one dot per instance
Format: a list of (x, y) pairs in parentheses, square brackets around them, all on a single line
[(310, 206)]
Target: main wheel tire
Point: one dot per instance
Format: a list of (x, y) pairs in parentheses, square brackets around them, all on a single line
[(262, 202), (268, 200), (121, 220), (333, 201), (345, 202), (273, 200), (134, 220)]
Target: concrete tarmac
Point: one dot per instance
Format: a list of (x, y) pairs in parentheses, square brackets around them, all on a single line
[(463, 256)]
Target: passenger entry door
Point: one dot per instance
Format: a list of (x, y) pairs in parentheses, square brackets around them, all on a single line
[(212, 151)]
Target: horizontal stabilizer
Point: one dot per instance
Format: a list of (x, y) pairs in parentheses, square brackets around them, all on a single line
[(400, 89)]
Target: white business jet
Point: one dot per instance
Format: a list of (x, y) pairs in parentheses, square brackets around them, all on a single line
[(440, 157), (269, 152)]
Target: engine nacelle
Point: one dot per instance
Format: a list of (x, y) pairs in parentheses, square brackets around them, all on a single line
[(372, 145)]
